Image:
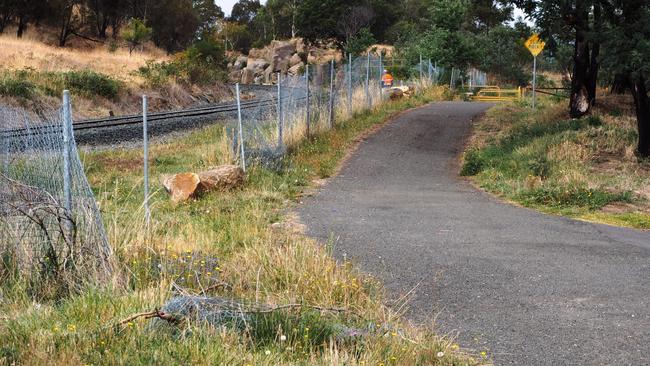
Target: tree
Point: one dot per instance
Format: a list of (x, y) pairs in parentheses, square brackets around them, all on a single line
[(317, 19), (174, 23), (244, 11), (208, 13), (136, 33), (584, 19), (353, 20), (360, 42), (627, 58)]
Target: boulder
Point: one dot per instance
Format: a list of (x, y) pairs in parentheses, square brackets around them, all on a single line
[(294, 60), (221, 178), (256, 64), (296, 69), (234, 76), (299, 44), (258, 53), (240, 63), (270, 76), (247, 76), (395, 93), (181, 186), (281, 54)]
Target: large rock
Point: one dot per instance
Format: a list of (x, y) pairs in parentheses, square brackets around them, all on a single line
[(181, 186), (256, 64), (240, 63), (294, 60), (281, 54), (221, 178), (296, 69), (258, 53), (299, 44), (247, 76)]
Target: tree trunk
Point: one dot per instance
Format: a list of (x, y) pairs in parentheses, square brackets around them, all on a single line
[(22, 25), (642, 105), (579, 101), (594, 65)]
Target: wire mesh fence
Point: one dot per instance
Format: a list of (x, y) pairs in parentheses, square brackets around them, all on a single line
[(50, 227), (315, 101)]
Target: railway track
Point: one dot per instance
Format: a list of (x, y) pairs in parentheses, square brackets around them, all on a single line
[(117, 129)]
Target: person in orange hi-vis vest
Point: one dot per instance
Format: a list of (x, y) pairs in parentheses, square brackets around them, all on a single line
[(387, 79)]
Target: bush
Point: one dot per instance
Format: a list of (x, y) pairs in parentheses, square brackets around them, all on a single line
[(202, 63), (91, 84), (16, 87), (473, 163)]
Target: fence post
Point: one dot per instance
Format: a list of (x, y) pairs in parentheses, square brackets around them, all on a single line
[(67, 172), (429, 70), (241, 132), (420, 70), (534, 78), (145, 144), (381, 75), (350, 84), (451, 81), (368, 100), (308, 102), (280, 116), (331, 105), (5, 156)]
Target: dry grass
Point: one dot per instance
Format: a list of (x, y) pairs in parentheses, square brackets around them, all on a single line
[(25, 53)]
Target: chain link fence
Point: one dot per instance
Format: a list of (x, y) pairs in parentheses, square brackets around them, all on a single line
[(51, 234), (50, 227), (307, 104)]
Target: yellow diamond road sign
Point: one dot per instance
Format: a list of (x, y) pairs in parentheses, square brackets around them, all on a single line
[(535, 45)]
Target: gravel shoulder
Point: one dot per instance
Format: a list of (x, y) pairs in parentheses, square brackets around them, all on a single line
[(530, 289)]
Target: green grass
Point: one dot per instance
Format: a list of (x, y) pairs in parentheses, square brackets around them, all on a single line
[(29, 84), (219, 237), (573, 167)]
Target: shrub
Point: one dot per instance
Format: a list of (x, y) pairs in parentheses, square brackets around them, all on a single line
[(473, 163), (136, 33), (16, 87), (202, 63), (91, 84)]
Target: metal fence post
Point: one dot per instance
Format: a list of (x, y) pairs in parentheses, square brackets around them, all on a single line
[(350, 84), (368, 100), (67, 171), (534, 78), (331, 105), (145, 144), (5, 157), (429, 69), (280, 115), (381, 74), (241, 132), (451, 81), (308, 102), (420, 69)]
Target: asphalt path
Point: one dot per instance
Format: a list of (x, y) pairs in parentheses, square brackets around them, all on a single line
[(528, 288)]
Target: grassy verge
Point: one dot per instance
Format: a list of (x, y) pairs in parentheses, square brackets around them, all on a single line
[(584, 168), (227, 237)]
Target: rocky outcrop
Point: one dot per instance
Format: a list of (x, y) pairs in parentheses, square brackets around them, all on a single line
[(286, 57)]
